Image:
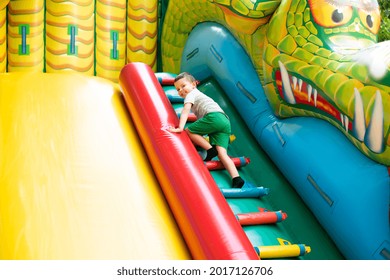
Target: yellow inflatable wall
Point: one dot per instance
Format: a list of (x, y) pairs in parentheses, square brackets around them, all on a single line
[(3, 37), (96, 38)]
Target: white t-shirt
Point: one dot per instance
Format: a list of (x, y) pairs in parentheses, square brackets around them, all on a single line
[(201, 103)]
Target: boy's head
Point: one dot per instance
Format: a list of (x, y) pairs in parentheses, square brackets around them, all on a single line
[(185, 75), (184, 83)]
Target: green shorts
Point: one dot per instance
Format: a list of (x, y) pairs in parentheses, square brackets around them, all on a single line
[(216, 126)]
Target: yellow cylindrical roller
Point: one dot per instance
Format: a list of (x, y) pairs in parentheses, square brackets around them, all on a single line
[(3, 39), (285, 250), (110, 38), (142, 32), (25, 36), (282, 251), (70, 36)]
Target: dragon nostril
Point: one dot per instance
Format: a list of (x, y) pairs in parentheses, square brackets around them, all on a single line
[(357, 27)]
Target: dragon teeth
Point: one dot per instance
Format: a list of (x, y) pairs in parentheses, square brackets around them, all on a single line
[(374, 136), (359, 123), (288, 92), (295, 82), (300, 82)]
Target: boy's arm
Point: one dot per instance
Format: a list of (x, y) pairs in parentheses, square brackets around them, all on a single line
[(183, 118)]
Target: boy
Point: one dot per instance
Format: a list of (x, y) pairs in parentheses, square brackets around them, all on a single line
[(211, 120)]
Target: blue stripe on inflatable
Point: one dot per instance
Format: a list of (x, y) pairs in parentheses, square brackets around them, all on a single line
[(279, 216)]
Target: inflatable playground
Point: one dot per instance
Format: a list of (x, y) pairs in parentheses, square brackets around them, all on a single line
[(89, 170)]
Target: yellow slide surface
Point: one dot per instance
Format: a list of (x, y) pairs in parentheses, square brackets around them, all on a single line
[(75, 182)]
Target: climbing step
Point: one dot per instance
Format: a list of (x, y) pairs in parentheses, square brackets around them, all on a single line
[(264, 216), (284, 250), (245, 192), (217, 164)]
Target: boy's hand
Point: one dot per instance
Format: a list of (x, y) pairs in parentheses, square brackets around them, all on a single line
[(173, 129)]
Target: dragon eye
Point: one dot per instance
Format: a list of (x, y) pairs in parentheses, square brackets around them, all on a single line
[(337, 16), (371, 20), (329, 15)]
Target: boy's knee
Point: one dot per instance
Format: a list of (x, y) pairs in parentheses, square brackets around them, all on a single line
[(221, 151)]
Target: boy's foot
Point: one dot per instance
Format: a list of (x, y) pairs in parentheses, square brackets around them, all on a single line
[(212, 152), (237, 182)]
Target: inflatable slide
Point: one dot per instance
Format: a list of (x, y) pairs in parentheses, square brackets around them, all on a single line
[(84, 174)]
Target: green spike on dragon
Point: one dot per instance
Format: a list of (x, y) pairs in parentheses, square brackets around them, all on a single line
[(317, 58)]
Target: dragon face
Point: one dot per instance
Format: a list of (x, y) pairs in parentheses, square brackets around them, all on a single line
[(315, 58), (346, 26), (309, 61)]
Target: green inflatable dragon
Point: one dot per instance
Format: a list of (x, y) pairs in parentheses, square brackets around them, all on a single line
[(317, 58)]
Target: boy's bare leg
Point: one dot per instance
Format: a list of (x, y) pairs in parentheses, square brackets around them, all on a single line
[(199, 140), (227, 162)]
